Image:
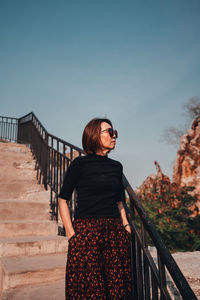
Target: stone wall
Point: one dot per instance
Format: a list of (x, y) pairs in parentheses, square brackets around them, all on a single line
[(186, 171)]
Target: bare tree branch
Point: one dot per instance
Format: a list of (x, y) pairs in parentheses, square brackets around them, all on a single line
[(191, 109), (172, 136)]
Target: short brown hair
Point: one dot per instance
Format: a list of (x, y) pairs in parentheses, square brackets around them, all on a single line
[(91, 135)]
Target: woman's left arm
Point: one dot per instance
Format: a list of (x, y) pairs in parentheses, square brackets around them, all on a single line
[(123, 216)]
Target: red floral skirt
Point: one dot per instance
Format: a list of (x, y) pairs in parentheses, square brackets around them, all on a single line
[(99, 260)]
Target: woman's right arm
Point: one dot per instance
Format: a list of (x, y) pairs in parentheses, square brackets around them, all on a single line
[(66, 218), (69, 184)]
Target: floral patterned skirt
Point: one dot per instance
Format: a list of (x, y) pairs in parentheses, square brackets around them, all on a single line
[(99, 260)]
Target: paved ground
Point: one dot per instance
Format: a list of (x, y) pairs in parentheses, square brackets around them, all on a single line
[(189, 264)]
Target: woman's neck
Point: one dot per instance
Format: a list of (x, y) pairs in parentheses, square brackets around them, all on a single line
[(102, 152)]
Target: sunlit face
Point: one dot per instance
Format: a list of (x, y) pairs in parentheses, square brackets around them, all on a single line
[(107, 142)]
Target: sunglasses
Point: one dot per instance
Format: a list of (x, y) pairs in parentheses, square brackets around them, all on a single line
[(111, 132)]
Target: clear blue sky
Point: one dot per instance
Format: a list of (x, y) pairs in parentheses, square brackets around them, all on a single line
[(135, 62)]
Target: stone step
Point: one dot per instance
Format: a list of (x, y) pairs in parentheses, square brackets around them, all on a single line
[(54, 290), (16, 210), (28, 227), (17, 187), (36, 194), (31, 270), (32, 245)]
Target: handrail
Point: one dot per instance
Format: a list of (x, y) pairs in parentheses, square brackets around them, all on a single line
[(51, 157), (8, 128), (153, 276), (164, 257)]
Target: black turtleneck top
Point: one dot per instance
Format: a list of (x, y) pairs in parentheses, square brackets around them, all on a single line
[(98, 183)]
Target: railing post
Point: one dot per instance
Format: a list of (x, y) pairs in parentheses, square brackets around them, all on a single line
[(133, 257), (162, 276), (57, 172), (145, 265), (154, 286), (45, 163), (19, 132), (139, 271)]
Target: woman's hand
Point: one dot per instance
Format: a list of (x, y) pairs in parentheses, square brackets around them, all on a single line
[(66, 218), (128, 228), (70, 235), (123, 216)]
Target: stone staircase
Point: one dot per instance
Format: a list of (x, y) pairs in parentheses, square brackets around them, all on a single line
[(32, 255)]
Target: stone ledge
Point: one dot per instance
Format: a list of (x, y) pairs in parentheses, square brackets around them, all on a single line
[(53, 291), (13, 228), (22, 271), (32, 245)]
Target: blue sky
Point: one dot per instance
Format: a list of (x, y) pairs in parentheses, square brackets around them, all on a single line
[(135, 62)]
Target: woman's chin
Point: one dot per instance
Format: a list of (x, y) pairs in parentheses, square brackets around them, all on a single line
[(112, 147)]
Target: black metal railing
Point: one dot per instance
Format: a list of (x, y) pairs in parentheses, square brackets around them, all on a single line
[(155, 274), (8, 129), (52, 156)]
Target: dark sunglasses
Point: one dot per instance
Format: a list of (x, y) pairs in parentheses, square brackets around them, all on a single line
[(111, 132)]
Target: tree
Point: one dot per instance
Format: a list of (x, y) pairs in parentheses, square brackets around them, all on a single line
[(172, 136), (191, 109), (169, 208)]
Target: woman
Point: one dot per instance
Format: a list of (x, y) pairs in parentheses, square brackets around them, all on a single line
[(98, 262)]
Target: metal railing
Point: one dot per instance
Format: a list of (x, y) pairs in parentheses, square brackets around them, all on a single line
[(155, 275), (8, 129), (52, 155)]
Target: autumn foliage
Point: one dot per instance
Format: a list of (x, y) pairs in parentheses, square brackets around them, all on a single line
[(169, 208)]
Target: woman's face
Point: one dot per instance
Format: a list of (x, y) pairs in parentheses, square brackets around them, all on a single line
[(107, 142)]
